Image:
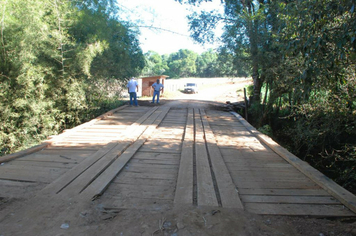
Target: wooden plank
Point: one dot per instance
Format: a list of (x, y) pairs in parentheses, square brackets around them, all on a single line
[(167, 146), (73, 143), (253, 163), (298, 209), (158, 166), (276, 184), (259, 173), (273, 179), (175, 137), (321, 200), (70, 150), (147, 175), (28, 169), (227, 189), (65, 134), (265, 165), (26, 177), (124, 191), (45, 164), (53, 158), (139, 194), (81, 137), (205, 187), (283, 192), (169, 161), (107, 128), (184, 188), (141, 203), (151, 170), (92, 172), (30, 173), (98, 186), (144, 181), (156, 156), (236, 168), (73, 174), (344, 196), (16, 189), (28, 151), (249, 154)]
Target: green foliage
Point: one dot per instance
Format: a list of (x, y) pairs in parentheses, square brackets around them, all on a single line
[(182, 63), (52, 76), (155, 64), (186, 63), (267, 130)]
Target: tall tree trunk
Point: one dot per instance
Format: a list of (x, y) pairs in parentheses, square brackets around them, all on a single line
[(253, 36)]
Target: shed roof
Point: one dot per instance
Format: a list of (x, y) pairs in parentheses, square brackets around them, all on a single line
[(156, 77)]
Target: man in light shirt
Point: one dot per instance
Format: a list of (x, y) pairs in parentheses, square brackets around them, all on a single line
[(157, 88), (132, 87)]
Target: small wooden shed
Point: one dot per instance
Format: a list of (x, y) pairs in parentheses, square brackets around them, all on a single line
[(148, 81)]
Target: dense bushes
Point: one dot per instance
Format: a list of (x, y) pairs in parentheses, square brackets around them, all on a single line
[(61, 63)]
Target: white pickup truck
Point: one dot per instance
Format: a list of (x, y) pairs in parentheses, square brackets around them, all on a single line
[(191, 88)]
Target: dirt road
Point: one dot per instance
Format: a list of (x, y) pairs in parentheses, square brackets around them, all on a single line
[(35, 211)]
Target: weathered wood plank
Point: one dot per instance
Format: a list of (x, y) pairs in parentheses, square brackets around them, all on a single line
[(24, 152), (156, 156), (147, 175), (154, 166), (72, 174), (59, 158), (261, 173), (334, 189), (323, 200), (227, 189), (141, 191), (298, 209), (141, 203), (98, 186), (79, 177), (283, 192), (45, 164), (205, 187), (169, 161), (30, 173), (167, 146), (16, 189), (284, 184), (184, 188), (143, 181)]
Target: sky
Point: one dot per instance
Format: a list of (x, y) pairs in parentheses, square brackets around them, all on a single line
[(164, 14)]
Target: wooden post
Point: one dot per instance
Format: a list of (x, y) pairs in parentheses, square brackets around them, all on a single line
[(246, 105)]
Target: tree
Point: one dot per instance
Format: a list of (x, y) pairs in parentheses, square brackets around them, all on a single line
[(182, 63), (59, 61), (207, 64), (247, 34), (155, 65)]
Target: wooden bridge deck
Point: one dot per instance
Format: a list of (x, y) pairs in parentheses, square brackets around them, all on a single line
[(164, 157)]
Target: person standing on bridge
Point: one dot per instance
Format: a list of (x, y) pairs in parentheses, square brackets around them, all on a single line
[(157, 88), (132, 87)]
